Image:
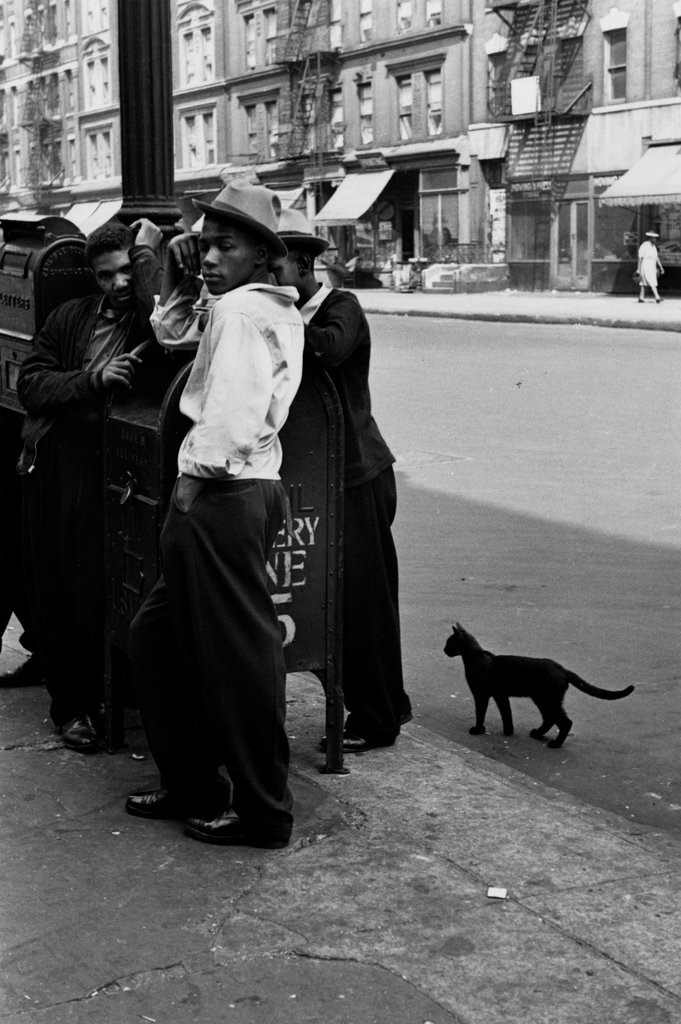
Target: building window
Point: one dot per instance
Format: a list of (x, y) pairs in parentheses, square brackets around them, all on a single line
[(434, 102), (272, 128), (72, 161), (616, 63), (68, 19), (98, 154), (404, 98), (366, 113), (337, 122), (197, 57), (96, 16), (249, 28), (97, 92), (12, 40), (70, 92), (366, 21), (404, 14), (252, 129), (336, 25), (433, 13), (197, 139), (270, 18), (52, 104), (5, 175)]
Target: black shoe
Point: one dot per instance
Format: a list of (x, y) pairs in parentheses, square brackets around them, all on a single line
[(80, 735), (355, 744), (27, 674), (153, 803), (228, 830)]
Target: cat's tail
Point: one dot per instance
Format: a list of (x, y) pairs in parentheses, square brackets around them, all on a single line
[(595, 691)]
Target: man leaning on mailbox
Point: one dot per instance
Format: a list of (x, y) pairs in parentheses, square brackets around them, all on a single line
[(82, 353)]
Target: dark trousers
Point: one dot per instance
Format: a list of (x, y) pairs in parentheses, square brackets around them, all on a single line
[(372, 651), (208, 659), (63, 519)]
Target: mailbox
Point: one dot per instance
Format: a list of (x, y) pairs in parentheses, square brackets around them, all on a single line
[(41, 265), (144, 429)]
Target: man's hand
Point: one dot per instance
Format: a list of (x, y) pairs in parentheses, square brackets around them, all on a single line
[(146, 233), (184, 250), (120, 371)]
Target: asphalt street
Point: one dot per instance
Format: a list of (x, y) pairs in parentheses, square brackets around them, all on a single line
[(538, 480)]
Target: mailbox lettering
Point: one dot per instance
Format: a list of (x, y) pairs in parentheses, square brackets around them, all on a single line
[(15, 301)]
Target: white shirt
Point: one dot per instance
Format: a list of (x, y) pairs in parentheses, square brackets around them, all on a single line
[(245, 375)]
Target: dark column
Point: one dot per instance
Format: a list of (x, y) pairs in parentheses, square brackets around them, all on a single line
[(146, 90)]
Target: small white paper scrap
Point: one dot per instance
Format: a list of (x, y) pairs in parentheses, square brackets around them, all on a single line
[(495, 893)]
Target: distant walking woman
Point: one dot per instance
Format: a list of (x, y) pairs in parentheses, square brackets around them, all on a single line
[(648, 263)]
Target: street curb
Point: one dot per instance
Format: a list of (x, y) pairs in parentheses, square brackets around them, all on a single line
[(530, 318)]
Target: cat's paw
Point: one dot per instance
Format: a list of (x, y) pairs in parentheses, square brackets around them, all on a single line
[(554, 743), (477, 730), (508, 732), (536, 734)]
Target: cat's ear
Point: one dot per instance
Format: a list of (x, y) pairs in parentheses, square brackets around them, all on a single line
[(453, 629), (458, 627)]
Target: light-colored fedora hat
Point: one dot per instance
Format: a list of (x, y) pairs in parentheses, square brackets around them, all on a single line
[(295, 231), (652, 234), (254, 206)]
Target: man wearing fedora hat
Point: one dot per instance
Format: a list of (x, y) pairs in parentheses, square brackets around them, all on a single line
[(206, 646), (337, 334), (648, 264)]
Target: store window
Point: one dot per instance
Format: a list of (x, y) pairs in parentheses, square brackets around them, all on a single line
[(615, 233), (616, 65), (366, 113), (439, 199), (404, 104)]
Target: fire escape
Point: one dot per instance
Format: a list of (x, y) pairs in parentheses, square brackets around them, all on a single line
[(304, 49), (540, 83), (40, 114)]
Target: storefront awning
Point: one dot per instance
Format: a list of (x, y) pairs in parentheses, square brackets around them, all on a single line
[(89, 216), (489, 142), (353, 197), (654, 181), (288, 197)]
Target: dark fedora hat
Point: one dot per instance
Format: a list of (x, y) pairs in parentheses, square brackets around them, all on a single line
[(254, 206), (295, 231)]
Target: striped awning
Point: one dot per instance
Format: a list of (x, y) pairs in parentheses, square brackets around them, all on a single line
[(655, 180)]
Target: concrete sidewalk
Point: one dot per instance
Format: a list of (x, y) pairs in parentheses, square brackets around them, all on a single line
[(530, 307), (377, 913)]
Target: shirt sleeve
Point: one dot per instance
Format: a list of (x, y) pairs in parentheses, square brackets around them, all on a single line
[(228, 396), (179, 324)]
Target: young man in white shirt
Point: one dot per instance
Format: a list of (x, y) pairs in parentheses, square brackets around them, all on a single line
[(206, 646)]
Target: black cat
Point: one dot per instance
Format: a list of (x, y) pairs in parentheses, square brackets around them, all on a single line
[(501, 676)]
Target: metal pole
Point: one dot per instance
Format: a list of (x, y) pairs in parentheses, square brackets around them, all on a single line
[(145, 77)]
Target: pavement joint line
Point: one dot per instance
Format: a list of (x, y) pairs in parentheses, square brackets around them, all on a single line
[(528, 318)]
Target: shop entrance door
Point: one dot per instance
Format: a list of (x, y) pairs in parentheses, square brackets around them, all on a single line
[(572, 263)]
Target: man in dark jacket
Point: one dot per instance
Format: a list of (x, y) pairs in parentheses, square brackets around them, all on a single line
[(337, 334), (83, 352)]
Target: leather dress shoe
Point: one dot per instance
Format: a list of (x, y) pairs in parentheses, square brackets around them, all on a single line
[(26, 674), (153, 803), (354, 744), (228, 830), (80, 735)]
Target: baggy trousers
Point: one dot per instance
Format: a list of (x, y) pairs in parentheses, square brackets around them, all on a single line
[(372, 653), (208, 660), (63, 535)]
